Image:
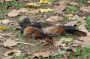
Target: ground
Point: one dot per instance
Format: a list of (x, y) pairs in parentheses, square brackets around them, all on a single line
[(61, 12)]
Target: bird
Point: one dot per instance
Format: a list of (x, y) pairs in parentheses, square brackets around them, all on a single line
[(27, 22), (33, 30), (36, 33)]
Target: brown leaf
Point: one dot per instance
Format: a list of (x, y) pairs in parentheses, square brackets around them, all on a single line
[(88, 2), (23, 10), (2, 1), (42, 53), (5, 21), (57, 43), (32, 5), (8, 0), (34, 11), (86, 40), (72, 23), (62, 5), (10, 43), (73, 3), (83, 28), (14, 52), (85, 8), (54, 19), (14, 13), (8, 57)]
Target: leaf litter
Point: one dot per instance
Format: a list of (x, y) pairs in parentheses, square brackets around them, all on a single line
[(43, 13)]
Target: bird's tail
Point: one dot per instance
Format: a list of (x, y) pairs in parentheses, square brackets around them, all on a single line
[(74, 31)]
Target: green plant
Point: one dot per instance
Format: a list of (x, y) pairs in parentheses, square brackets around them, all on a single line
[(13, 3), (88, 23), (3, 13), (71, 9), (84, 53), (83, 1)]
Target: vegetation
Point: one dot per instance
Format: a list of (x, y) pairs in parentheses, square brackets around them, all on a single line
[(71, 9), (88, 23), (11, 4), (83, 1)]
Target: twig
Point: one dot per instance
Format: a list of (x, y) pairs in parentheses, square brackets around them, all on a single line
[(26, 43)]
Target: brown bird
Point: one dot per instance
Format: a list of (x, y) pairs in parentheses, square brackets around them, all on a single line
[(33, 30), (36, 33)]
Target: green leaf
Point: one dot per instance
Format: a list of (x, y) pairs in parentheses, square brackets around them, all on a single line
[(66, 40)]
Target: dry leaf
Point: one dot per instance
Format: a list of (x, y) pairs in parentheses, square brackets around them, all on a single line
[(85, 8), (71, 23), (23, 10), (46, 10), (14, 13), (2, 1), (32, 5), (44, 1), (14, 52), (73, 3), (8, 0), (5, 21), (42, 53), (3, 28), (88, 2), (54, 19), (83, 28), (71, 49), (34, 11), (57, 43), (59, 8), (7, 57), (69, 15), (10, 43), (86, 40)]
